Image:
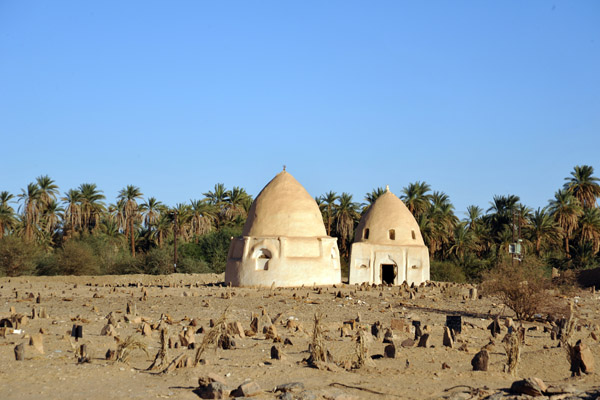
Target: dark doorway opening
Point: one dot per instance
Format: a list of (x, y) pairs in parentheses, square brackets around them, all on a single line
[(388, 274)]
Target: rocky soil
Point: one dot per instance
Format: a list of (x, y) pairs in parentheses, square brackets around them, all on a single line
[(271, 354)]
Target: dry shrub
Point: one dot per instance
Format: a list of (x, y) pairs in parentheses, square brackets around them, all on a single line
[(212, 336), (161, 359), (127, 346), (522, 287), (318, 352), (567, 334), (512, 345), (361, 355)]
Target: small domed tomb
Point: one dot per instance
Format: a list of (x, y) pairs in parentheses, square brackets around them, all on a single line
[(388, 246), (283, 242)]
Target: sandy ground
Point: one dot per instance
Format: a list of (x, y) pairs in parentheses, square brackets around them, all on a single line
[(415, 373)]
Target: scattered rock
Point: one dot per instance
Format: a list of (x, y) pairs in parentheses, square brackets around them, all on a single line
[(494, 327), (146, 329), (423, 340), (37, 342), (214, 390), (110, 355), (448, 341), (276, 353), (236, 329), (390, 351), (270, 332), (247, 389), (529, 386), (583, 359), (388, 337), (108, 330), (292, 387), (408, 343), (225, 342), (480, 361), (19, 352)]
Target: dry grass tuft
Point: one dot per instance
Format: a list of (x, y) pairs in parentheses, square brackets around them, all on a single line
[(512, 345), (361, 352), (212, 336), (161, 360), (318, 351), (127, 346), (567, 333)]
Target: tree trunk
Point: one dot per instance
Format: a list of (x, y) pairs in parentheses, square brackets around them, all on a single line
[(132, 238)]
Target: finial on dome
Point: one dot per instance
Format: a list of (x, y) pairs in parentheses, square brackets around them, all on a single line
[(387, 188), (284, 167)]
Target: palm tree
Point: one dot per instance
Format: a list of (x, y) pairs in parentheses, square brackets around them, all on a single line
[(374, 195), (500, 221), (91, 205), (218, 198), (129, 196), (151, 210), (183, 213), (542, 228), (463, 240), (416, 198), (474, 214), (5, 197), (346, 216), (566, 210), (238, 202), (583, 185), (48, 189), (51, 217), (203, 215), (7, 213), (328, 200), (162, 228), (442, 220), (30, 198), (589, 228)]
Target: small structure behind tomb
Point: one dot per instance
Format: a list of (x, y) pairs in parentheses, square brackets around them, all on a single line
[(388, 246)]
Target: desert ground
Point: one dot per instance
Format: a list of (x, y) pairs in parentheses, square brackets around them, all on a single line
[(180, 301)]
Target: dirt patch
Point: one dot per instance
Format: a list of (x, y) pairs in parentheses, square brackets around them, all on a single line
[(182, 302)]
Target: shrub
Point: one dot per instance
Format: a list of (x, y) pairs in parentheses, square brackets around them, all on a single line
[(77, 258), (158, 261), (522, 286), (211, 248), (17, 257), (47, 265), (188, 265), (447, 271)]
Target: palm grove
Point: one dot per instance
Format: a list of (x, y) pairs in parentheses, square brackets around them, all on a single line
[(42, 232)]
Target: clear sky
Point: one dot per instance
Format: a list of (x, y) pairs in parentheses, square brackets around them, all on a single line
[(476, 98)]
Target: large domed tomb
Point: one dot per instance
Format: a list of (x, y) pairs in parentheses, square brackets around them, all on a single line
[(283, 242), (388, 246)]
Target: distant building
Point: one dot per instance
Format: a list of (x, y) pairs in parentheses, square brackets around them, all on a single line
[(283, 241), (388, 246)]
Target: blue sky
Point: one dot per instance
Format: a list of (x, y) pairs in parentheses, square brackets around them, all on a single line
[(475, 98)]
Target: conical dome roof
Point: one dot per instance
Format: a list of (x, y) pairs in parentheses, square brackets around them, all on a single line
[(284, 208), (388, 222)]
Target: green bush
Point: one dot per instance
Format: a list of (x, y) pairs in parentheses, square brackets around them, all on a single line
[(158, 261), (211, 248), (77, 258), (447, 271), (18, 257), (189, 265)]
